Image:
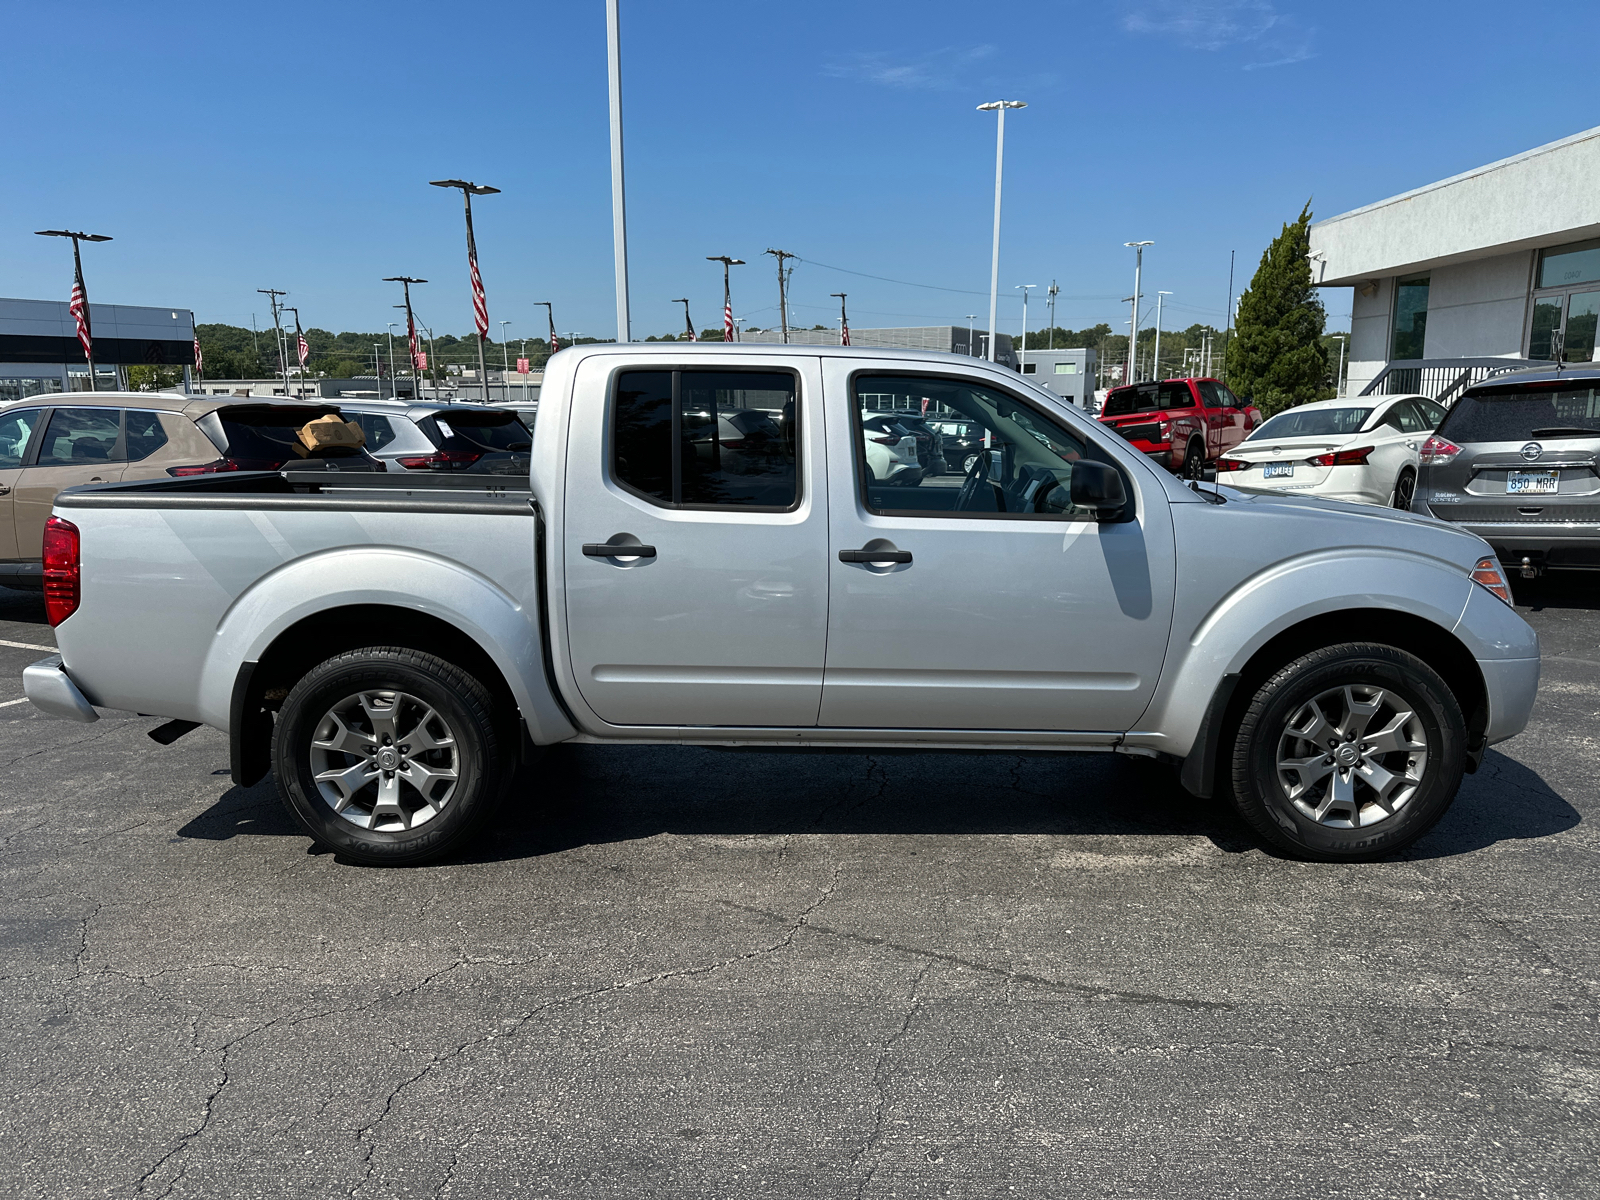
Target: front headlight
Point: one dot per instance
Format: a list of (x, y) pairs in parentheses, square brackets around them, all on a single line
[(1487, 575)]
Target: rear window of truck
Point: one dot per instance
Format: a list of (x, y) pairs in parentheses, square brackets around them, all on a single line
[(1517, 414), (1150, 397)]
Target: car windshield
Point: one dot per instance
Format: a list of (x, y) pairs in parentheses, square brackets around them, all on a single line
[(1318, 422), (1517, 414), (476, 432)]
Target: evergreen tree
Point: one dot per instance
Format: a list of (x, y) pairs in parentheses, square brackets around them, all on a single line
[(1277, 358)]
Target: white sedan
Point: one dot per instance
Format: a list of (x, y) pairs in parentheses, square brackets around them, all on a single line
[(891, 450), (1362, 450)]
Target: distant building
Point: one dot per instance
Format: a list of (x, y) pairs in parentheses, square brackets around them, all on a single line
[(1502, 262), (40, 352), (1067, 373), (952, 339)]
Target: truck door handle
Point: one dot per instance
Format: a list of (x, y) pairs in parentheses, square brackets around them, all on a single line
[(613, 550), (4, 490), (875, 556)]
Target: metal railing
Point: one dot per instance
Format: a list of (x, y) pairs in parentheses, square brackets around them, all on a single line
[(1441, 379)]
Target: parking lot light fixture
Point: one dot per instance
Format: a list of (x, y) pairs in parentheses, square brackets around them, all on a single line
[(411, 327), (80, 294), (480, 306), (1022, 351), (1155, 360), (999, 108), (1133, 325)]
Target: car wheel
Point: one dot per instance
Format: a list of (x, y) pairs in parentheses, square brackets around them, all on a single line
[(1405, 490), (390, 756), (968, 463), (1194, 460), (1348, 753)]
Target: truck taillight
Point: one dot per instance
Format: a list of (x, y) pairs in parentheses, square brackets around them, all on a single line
[(1437, 451), (1166, 430), (60, 570), (210, 468), (1343, 458)]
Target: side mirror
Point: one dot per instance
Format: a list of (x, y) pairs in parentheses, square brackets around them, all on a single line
[(1098, 486)]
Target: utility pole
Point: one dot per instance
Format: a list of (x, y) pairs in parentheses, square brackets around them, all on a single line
[(406, 281), (1054, 290), (844, 319), (1022, 356), (1227, 332), (1338, 375), (728, 330), (619, 218), (272, 295), (999, 108), (1155, 362), (1133, 330), (687, 323), (783, 291)]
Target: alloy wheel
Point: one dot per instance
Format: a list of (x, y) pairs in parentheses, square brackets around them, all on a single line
[(384, 760), (1352, 756), (1405, 489)]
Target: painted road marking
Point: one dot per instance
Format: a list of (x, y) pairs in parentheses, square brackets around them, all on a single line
[(29, 646)]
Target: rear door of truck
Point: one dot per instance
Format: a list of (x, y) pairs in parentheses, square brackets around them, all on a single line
[(695, 552)]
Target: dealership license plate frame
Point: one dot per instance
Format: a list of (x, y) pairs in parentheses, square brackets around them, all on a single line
[(1277, 470), (1522, 483)]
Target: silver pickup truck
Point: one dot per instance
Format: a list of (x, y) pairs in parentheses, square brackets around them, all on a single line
[(709, 551)]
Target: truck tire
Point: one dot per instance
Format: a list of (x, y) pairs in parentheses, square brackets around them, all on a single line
[(1349, 753), (1194, 460), (389, 756)]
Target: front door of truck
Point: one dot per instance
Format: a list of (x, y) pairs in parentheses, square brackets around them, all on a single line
[(80, 445), (984, 601), (696, 542)]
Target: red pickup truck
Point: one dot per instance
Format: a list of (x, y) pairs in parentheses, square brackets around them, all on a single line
[(1181, 423)]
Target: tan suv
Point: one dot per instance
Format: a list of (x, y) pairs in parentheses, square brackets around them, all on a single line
[(65, 439)]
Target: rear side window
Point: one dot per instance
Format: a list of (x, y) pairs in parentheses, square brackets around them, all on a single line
[(377, 430), (81, 437), (1522, 413), (476, 432), (707, 439), (144, 434), (15, 429), (1176, 395)]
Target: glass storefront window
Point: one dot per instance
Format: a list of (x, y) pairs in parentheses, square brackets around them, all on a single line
[(1546, 321), (1570, 318), (21, 389), (1410, 317), (1562, 266), (1582, 311)]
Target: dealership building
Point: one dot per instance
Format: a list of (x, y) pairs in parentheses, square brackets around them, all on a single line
[(40, 352), (1455, 279)]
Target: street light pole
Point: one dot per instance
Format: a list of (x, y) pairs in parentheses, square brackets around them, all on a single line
[(393, 386), (1133, 325), (844, 319), (406, 281), (1022, 357), (619, 218), (1052, 293), (972, 341), (480, 306), (783, 291), (272, 295), (999, 107), (505, 363), (687, 323), (728, 330), (79, 306), (549, 313), (1338, 377), (1155, 363)]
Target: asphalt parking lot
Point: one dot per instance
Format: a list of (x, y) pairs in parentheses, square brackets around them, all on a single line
[(690, 973)]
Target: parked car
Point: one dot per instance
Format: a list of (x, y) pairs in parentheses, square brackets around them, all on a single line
[(61, 440), (428, 436), (1361, 451), (962, 442), (930, 444), (1515, 461), (1183, 424), (891, 449), (400, 642)]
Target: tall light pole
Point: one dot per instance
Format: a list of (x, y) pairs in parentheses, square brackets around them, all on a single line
[(406, 281), (550, 314), (619, 217), (1133, 326), (728, 331), (272, 295), (1155, 363), (79, 306), (480, 306), (1022, 358), (687, 323), (393, 385), (1338, 377), (972, 341), (999, 107), (377, 366), (783, 291), (1052, 293), (505, 363)]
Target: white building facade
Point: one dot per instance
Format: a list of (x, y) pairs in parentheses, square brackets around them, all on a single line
[(1502, 262)]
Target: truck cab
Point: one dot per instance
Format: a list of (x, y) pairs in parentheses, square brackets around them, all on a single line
[(1182, 424)]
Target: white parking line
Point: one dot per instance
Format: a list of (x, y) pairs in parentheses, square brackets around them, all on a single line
[(9, 703), (28, 646)]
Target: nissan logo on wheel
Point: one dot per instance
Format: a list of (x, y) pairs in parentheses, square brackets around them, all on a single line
[(1532, 451)]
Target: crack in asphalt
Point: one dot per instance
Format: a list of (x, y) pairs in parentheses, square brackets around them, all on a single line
[(1081, 989), (880, 1080)]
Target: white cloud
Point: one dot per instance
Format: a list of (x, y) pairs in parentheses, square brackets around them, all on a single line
[(1271, 37), (936, 70)]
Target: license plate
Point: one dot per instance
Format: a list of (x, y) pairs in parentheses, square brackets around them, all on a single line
[(1278, 470), (1521, 482)]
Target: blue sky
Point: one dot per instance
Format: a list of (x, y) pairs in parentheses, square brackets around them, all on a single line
[(226, 154)]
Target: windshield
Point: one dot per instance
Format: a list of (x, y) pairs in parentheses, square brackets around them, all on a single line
[(1515, 415), (1318, 422), (476, 432)]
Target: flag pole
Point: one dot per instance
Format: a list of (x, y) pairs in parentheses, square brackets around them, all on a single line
[(844, 320), (88, 340)]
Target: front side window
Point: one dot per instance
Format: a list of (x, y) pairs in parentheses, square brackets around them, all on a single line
[(1226, 398), (1018, 462), (15, 429), (707, 439), (1410, 317), (79, 437)]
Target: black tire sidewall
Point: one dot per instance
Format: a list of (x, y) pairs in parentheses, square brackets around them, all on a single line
[(459, 699), (1194, 465), (1258, 795)]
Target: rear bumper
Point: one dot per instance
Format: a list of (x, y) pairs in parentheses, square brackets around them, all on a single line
[(50, 689), (1548, 544)]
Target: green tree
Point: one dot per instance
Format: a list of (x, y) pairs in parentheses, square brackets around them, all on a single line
[(1277, 357)]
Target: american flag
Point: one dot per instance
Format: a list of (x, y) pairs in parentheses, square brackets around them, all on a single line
[(844, 331), (480, 305), (727, 321), (304, 350), (79, 308), (411, 336), (199, 359)]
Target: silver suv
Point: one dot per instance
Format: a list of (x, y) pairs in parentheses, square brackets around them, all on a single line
[(482, 439), (1515, 462)]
